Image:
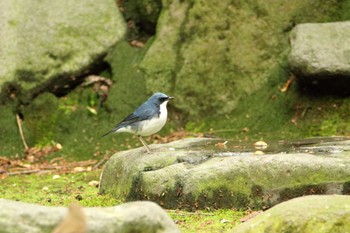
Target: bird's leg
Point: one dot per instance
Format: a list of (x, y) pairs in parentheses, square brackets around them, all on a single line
[(144, 144)]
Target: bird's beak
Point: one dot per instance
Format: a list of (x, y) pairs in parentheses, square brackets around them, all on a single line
[(170, 98)]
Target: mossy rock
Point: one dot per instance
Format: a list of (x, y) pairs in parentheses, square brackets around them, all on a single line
[(212, 55), (46, 45), (70, 122), (311, 214), (225, 64), (192, 174), (144, 217)]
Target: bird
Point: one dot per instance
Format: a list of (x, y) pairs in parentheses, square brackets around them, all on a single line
[(147, 119)]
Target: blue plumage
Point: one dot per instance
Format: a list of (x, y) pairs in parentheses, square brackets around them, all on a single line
[(147, 119)]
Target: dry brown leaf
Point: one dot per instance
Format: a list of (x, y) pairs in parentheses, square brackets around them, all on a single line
[(288, 83), (221, 144)]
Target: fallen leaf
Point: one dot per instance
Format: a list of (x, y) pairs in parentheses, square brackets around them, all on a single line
[(56, 177), (94, 183), (288, 83), (221, 144), (137, 43), (79, 169), (294, 120), (224, 221), (58, 146), (260, 145), (245, 129), (259, 152), (91, 110)]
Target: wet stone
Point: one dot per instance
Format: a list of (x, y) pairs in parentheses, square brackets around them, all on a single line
[(194, 173)]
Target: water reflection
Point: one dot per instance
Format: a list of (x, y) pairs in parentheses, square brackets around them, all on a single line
[(317, 145)]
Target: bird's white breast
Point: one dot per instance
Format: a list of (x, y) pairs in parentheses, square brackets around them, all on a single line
[(155, 124)]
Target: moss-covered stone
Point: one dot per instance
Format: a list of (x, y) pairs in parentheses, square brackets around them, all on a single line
[(45, 44), (128, 90), (144, 217), (70, 122), (221, 181), (142, 17), (310, 214), (208, 51), (225, 63)]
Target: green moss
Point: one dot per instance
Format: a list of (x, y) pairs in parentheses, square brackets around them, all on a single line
[(206, 221), (331, 216), (41, 118), (129, 90), (204, 52), (290, 193), (346, 188), (69, 121), (142, 16), (43, 189), (10, 139), (226, 75)]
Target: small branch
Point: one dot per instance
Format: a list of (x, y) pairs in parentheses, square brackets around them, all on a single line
[(28, 172), (96, 166), (21, 132), (188, 213)]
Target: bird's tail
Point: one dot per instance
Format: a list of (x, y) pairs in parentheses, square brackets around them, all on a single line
[(109, 132)]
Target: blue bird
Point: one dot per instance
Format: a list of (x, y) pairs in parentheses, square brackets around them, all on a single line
[(147, 119)]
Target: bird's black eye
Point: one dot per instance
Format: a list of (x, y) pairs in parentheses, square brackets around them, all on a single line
[(162, 99)]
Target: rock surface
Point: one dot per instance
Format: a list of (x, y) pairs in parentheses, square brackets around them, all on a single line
[(320, 55), (319, 49), (311, 214), (132, 217), (192, 173), (212, 56), (46, 44)]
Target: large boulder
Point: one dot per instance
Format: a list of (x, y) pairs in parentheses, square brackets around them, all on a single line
[(311, 214), (320, 54), (320, 49), (192, 173), (46, 45), (126, 218), (211, 56)]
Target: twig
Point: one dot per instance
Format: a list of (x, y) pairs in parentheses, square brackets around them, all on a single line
[(188, 213), (100, 162), (29, 172), (221, 131), (69, 165), (21, 132)]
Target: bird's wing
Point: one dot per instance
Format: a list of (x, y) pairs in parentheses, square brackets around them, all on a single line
[(144, 112)]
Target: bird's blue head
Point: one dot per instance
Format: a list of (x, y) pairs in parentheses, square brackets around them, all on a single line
[(159, 98)]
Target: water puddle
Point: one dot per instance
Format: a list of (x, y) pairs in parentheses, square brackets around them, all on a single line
[(317, 145)]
